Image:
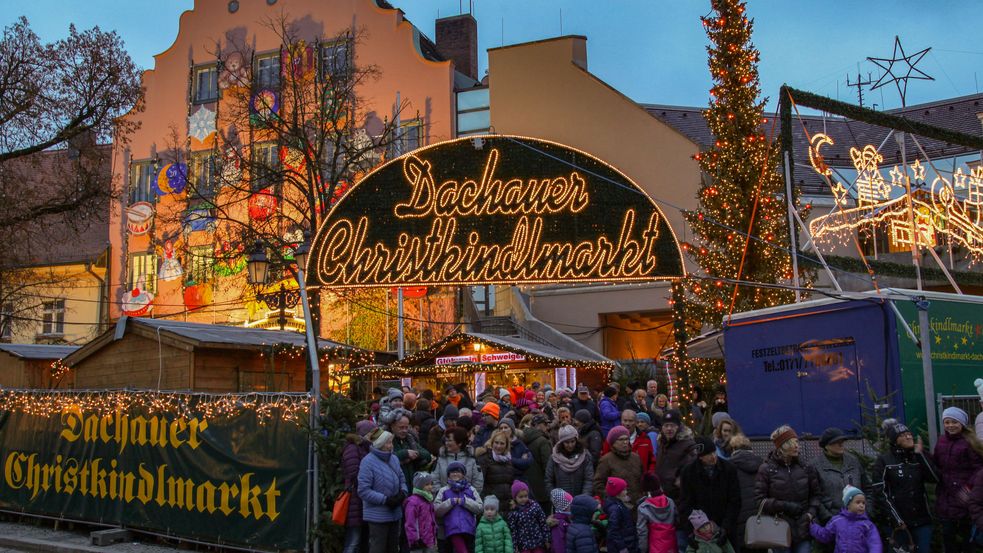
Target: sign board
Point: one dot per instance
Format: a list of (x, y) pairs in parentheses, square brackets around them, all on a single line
[(454, 359), (493, 210), (505, 357), (480, 382), (560, 375), (227, 478)]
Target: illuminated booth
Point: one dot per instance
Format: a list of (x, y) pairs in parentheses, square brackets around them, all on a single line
[(484, 361)]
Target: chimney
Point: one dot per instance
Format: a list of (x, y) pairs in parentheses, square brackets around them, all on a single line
[(457, 40)]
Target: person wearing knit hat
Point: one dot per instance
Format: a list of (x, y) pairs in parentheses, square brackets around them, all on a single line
[(698, 519), (457, 503), (561, 500), (566, 432), (850, 492), (617, 433), (490, 413), (837, 468), (620, 462), (381, 439), (956, 414), (787, 480), (570, 467), (492, 410), (420, 520), (902, 472), (507, 422), (559, 521), (621, 534), (719, 417), (712, 486), (527, 521), (959, 455), (363, 427), (493, 534), (382, 486), (673, 450), (590, 434)]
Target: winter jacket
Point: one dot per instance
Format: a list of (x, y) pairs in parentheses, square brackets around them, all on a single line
[(580, 534), (832, 480), (473, 473), (558, 533), (642, 445), (539, 447), (528, 525), (574, 482), (976, 500), (656, 525), (621, 535), (493, 536), (590, 438), (576, 404), (499, 476), (672, 457), (628, 468), (410, 467), (792, 490), (426, 422), (957, 462), (379, 478), (435, 437), (852, 533), (351, 456), (521, 459), (457, 517), (610, 415), (700, 545), (898, 487), (719, 495), (746, 462), (421, 523)]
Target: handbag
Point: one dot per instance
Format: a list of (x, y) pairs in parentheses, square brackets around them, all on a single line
[(339, 512), (764, 531), (898, 546)]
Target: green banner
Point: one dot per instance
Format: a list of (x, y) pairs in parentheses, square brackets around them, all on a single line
[(222, 469), (956, 340)]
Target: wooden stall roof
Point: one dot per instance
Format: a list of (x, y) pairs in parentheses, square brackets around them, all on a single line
[(190, 336), (533, 351), (38, 351)]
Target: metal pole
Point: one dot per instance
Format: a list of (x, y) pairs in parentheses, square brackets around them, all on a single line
[(400, 347), (911, 209), (922, 305), (315, 393), (791, 230)]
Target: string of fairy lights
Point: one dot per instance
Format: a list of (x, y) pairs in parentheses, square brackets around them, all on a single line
[(268, 407)]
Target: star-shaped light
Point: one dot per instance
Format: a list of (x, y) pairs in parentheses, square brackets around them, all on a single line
[(897, 177), (840, 193), (900, 81), (959, 179), (918, 170), (201, 123)]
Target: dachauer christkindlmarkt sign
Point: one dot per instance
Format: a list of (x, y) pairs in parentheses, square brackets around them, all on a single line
[(493, 210), (238, 477)]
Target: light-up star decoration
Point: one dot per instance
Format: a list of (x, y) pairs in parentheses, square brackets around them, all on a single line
[(201, 124), (905, 63)]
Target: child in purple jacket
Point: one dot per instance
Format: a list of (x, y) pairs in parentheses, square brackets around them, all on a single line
[(420, 521), (852, 531), (457, 505), (559, 521)]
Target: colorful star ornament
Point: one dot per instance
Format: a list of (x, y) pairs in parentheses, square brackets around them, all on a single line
[(172, 178), (201, 127), (899, 80)]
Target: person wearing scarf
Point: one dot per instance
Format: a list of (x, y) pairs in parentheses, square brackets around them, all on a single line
[(457, 505), (570, 466), (382, 488)]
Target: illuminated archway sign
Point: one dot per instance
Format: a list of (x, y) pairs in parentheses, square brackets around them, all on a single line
[(499, 210)]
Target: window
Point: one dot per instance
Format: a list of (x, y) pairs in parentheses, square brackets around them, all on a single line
[(202, 262), (141, 176), (204, 174), (53, 318), (7, 321), (206, 84), (335, 61), (266, 165), (410, 136), (268, 71), (143, 266)]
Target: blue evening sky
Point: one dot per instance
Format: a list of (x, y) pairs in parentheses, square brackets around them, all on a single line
[(652, 50)]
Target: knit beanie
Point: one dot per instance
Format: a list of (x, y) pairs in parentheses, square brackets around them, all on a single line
[(651, 484), (583, 415), (780, 439), (457, 466), (561, 500), (719, 417), (566, 432), (673, 416), (362, 428), (894, 431), (519, 486), (957, 415), (490, 501), (644, 417), (492, 410), (380, 437), (615, 486), (503, 393), (421, 479), (704, 446), (464, 412), (451, 412), (617, 432), (508, 422), (394, 393), (849, 493), (698, 518)]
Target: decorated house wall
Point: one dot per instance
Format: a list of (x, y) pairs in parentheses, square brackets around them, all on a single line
[(166, 235)]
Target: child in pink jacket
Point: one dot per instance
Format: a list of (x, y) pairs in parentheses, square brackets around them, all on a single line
[(420, 520)]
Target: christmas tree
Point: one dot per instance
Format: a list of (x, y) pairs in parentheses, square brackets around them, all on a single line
[(742, 190)]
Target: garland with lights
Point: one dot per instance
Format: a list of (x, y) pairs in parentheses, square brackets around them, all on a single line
[(740, 185), (59, 370), (352, 356), (50, 403), (388, 372)]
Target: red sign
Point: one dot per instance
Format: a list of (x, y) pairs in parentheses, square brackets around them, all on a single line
[(507, 357), (456, 359)]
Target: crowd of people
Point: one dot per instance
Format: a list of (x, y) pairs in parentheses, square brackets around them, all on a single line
[(536, 470)]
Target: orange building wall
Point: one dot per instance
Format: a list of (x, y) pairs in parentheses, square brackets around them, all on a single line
[(389, 44)]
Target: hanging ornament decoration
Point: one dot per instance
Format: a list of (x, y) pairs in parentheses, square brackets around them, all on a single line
[(139, 218), (201, 128), (229, 259), (172, 178), (263, 106), (170, 267), (262, 204), (234, 72), (137, 302)]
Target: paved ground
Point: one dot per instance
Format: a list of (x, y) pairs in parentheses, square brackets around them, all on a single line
[(41, 537)]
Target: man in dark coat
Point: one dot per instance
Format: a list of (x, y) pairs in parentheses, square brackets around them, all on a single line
[(583, 401), (712, 486), (674, 451)]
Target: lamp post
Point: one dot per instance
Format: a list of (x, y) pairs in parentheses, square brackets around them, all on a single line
[(258, 266)]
